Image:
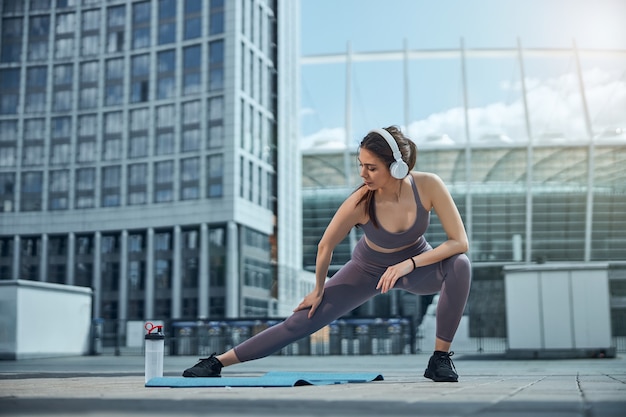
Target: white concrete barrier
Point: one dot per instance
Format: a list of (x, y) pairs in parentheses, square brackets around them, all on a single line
[(40, 319)]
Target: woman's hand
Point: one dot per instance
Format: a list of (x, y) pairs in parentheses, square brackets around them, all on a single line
[(312, 301), (393, 274)]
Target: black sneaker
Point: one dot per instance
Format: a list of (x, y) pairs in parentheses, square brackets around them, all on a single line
[(440, 367), (207, 367)]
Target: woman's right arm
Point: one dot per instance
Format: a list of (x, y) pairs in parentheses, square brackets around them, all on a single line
[(346, 217)]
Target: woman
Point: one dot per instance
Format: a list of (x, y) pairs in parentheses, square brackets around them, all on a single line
[(392, 206)]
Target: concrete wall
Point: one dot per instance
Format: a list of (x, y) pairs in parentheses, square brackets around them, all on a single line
[(39, 319)]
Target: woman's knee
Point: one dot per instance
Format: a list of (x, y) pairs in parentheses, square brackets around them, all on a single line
[(459, 266), (297, 323)]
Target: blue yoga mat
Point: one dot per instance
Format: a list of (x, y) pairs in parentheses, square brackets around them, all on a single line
[(270, 379)]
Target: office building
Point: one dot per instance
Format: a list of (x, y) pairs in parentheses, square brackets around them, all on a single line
[(148, 149)]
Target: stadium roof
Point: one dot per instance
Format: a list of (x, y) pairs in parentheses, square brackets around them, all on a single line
[(503, 165)]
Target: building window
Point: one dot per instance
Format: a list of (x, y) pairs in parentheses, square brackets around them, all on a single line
[(8, 130), (139, 120), (114, 81), (193, 19), (112, 149), (191, 140), (165, 116), (8, 145), (11, 39), (192, 56), (141, 25), (140, 72), (191, 126), (60, 153), (31, 191), (36, 78), (137, 184), (34, 129), (32, 155), (113, 139), (165, 130), (61, 127), (9, 103), (14, 7), (64, 48), (191, 113), (190, 179), (165, 143), (87, 125), (30, 251), (85, 187), (65, 23), (91, 20), (216, 65), (39, 5), (62, 96), (113, 123), (86, 146), (7, 190), (9, 89), (116, 17), (190, 260), (164, 181), (63, 75), (58, 191), (90, 45), (166, 64), (216, 23), (86, 151), (83, 261), (216, 114), (88, 98), (8, 156), (37, 51), (138, 146), (193, 27), (111, 177), (62, 101), (162, 242), (35, 102), (136, 272), (167, 21), (89, 72), (38, 38), (215, 176)]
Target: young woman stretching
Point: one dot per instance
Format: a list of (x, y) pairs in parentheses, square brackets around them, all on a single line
[(392, 206)]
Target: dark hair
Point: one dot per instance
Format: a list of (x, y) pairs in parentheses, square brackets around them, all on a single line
[(376, 144)]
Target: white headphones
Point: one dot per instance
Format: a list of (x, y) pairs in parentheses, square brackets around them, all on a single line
[(399, 169)]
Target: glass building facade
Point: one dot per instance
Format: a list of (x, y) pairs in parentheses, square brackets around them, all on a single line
[(564, 213), (138, 152), (495, 206), (531, 143)]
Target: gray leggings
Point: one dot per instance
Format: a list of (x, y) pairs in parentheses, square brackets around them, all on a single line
[(355, 283)]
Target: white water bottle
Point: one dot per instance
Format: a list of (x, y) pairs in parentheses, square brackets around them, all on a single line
[(155, 341)]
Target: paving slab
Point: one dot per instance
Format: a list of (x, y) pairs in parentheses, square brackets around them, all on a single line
[(489, 385)]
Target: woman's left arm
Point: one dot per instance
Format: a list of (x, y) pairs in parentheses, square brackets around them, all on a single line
[(443, 204)]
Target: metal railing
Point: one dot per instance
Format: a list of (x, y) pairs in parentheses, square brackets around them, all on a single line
[(350, 336)]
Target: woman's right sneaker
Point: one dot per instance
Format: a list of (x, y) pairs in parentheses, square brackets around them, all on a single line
[(440, 367), (209, 367)]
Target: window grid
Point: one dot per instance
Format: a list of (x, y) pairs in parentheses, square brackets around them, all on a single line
[(109, 59)]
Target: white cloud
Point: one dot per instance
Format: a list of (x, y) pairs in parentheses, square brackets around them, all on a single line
[(555, 107), (333, 138)]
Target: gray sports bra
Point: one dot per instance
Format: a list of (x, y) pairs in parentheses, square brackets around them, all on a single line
[(388, 240)]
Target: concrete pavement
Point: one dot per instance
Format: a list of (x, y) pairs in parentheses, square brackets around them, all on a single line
[(488, 386)]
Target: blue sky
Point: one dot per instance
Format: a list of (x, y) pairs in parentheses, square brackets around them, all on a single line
[(435, 86)]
